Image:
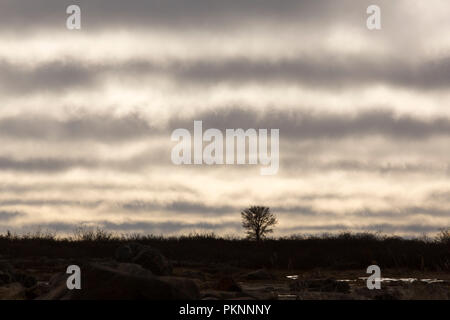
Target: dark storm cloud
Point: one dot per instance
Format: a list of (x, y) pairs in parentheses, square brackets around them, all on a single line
[(178, 226), (93, 186), (294, 163), (49, 202), (53, 77), (181, 207), (300, 211), (147, 227), (106, 128), (156, 158), (383, 227), (302, 125), (67, 74), (170, 226), (439, 195), (210, 14), (8, 215), (56, 165), (298, 125), (313, 196), (204, 48), (402, 212), (321, 71), (186, 207), (42, 165)]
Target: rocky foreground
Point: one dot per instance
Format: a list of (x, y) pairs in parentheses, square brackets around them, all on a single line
[(141, 272)]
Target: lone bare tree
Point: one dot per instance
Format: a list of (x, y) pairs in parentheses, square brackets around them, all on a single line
[(258, 222)]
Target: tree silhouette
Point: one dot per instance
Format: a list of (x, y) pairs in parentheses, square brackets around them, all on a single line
[(258, 221)]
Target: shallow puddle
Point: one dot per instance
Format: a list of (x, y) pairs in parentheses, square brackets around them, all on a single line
[(408, 280)]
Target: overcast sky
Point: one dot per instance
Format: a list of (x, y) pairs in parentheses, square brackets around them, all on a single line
[(86, 115)]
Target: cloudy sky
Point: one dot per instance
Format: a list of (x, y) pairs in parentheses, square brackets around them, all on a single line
[(86, 116)]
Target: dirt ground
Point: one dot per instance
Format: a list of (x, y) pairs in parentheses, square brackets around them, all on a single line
[(222, 282)]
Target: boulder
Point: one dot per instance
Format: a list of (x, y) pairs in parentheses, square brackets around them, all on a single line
[(211, 294), (227, 283), (5, 266), (261, 274), (154, 261), (26, 280), (12, 291), (9, 275), (37, 290), (186, 288), (133, 269), (322, 285), (121, 282), (388, 295), (194, 275), (6, 273), (5, 278), (146, 256), (126, 252)]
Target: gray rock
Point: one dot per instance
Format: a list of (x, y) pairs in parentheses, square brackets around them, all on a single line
[(6, 273), (134, 269), (9, 275), (261, 274), (126, 252), (123, 282), (193, 275), (12, 291), (26, 280), (145, 256), (154, 261), (322, 285), (227, 283), (6, 267), (5, 278), (37, 290), (219, 295)]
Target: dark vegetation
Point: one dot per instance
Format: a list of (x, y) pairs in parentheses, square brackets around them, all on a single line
[(341, 251)]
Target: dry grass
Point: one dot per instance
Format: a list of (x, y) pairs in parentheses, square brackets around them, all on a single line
[(341, 251)]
